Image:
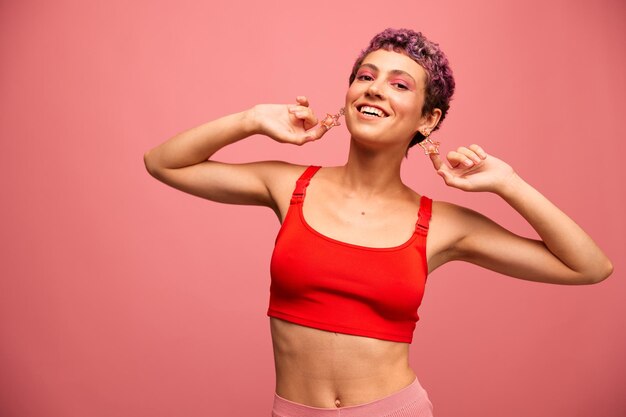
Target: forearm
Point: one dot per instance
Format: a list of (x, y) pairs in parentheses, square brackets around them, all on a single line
[(200, 143), (561, 235)]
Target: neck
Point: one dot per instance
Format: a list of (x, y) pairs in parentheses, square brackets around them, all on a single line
[(371, 172)]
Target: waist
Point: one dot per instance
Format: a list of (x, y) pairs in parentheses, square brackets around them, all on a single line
[(320, 368)]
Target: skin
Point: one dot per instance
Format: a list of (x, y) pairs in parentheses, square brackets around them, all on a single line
[(326, 369)]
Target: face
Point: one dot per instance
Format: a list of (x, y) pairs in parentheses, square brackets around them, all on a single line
[(384, 102)]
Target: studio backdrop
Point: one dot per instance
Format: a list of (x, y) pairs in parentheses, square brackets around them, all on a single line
[(122, 297)]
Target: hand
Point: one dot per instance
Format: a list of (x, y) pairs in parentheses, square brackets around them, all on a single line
[(288, 123), (471, 169)]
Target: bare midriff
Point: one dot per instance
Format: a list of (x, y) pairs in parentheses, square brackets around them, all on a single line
[(329, 370)]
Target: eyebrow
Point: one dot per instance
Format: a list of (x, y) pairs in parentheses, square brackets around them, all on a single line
[(395, 71)]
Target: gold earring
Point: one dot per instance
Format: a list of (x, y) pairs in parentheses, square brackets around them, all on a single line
[(331, 120), (429, 146)]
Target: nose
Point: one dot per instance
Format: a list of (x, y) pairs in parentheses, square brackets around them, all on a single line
[(374, 91)]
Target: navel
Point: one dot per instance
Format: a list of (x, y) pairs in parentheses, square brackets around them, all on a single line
[(337, 403)]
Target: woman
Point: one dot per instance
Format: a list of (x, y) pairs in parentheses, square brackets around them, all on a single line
[(356, 244)]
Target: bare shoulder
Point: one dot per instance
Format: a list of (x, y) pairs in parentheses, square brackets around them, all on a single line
[(280, 173), (451, 212), (280, 178), (449, 225)]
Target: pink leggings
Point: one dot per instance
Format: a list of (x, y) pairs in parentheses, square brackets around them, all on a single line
[(410, 401)]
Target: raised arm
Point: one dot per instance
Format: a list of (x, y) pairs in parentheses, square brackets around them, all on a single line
[(183, 161), (564, 255)]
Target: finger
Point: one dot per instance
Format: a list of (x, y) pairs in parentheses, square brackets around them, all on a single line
[(307, 117), (470, 154), (303, 101), (479, 151), (315, 133), (451, 180), (436, 160), (457, 158), (296, 107), (445, 175)]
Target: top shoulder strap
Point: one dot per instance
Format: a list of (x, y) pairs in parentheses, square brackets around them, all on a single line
[(423, 216), (302, 183)]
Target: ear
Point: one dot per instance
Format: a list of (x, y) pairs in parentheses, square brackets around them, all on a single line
[(429, 122)]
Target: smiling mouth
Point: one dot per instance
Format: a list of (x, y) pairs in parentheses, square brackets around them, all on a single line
[(371, 111)]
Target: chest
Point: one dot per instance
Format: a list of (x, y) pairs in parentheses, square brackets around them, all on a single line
[(373, 222), (319, 269)]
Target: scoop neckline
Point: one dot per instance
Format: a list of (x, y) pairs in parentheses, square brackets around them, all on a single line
[(353, 245)]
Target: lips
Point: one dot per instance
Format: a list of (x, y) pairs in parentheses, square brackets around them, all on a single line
[(372, 110)]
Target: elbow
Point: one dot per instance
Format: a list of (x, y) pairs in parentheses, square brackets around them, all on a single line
[(608, 270), (149, 163), (600, 274)]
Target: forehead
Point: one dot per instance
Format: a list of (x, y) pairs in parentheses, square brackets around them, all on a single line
[(387, 61)]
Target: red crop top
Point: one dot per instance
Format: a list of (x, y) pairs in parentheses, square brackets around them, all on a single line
[(330, 285)]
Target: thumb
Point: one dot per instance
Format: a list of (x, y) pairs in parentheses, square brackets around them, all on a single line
[(315, 133), (451, 180), (443, 174), (447, 178)]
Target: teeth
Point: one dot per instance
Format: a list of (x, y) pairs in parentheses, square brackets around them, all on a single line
[(372, 110)]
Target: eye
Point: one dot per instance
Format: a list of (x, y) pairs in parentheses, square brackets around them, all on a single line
[(364, 77), (401, 86)]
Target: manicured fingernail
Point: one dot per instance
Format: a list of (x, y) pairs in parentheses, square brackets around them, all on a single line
[(468, 162)]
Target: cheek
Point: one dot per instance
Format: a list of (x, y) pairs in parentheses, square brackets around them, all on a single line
[(407, 109), (413, 107), (352, 93)]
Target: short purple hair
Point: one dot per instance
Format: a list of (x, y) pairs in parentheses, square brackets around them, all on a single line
[(439, 83)]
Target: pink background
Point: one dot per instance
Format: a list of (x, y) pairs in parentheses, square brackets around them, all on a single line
[(122, 297)]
